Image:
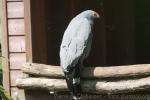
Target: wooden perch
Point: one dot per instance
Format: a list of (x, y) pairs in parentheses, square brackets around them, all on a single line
[(88, 72), (88, 86)]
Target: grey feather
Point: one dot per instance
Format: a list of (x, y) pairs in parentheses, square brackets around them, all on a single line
[(74, 42)]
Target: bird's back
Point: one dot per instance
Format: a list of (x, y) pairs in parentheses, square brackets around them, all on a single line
[(74, 41)]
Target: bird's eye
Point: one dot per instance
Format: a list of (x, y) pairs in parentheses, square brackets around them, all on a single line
[(94, 14)]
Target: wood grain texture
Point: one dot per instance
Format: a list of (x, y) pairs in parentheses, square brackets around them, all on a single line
[(5, 61), (88, 86), (15, 92), (14, 0), (28, 38), (15, 9), (17, 44), (15, 74), (16, 60), (16, 27), (89, 72)]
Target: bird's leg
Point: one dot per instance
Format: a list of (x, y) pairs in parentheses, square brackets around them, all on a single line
[(76, 84)]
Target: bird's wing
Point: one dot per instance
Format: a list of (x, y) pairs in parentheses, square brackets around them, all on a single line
[(74, 42)]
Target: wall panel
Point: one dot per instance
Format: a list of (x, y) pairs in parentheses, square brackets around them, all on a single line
[(17, 44), (16, 27), (16, 60), (15, 9)]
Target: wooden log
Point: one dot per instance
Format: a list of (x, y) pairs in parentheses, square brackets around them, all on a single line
[(88, 72), (88, 86)]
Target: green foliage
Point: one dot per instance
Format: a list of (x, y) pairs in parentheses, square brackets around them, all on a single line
[(3, 94), (0, 73), (17, 98)]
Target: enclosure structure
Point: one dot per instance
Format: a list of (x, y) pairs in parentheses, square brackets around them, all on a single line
[(13, 43), (33, 29)]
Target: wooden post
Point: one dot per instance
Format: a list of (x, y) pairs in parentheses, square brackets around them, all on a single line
[(5, 60), (28, 39)]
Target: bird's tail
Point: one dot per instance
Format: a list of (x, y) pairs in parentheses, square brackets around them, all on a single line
[(69, 80), (76, 82), (73, 82)]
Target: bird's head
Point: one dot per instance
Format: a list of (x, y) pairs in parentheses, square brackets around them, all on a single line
[(89, 14)]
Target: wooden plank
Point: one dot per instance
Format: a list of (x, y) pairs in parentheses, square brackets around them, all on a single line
[(14, 0), (14, 75), (15, 9), (5, 63), (16, 60), (15, 92), (28, 37), (16, 27), (17, 44)]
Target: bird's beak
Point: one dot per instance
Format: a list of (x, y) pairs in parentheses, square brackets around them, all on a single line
[(96, 15)]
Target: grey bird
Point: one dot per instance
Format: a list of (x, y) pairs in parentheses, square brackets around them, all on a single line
[(75, 47)]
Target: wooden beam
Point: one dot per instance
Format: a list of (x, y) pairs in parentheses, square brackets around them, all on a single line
[(28, 30), (5, 61), (88, 72), (88, 86)]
